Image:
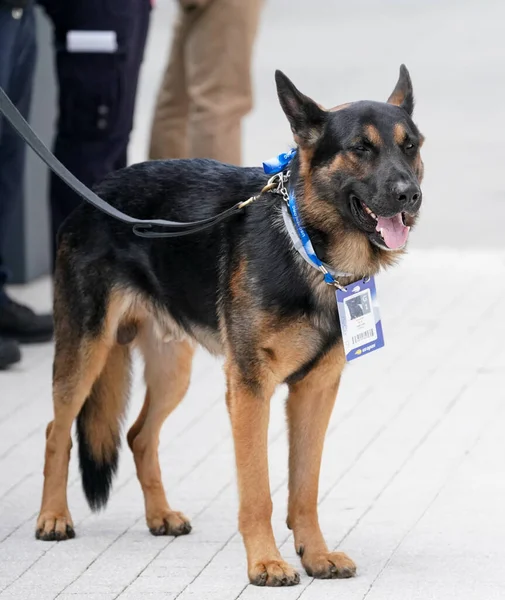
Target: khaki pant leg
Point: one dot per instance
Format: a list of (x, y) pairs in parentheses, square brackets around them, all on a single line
[(169, 128), (218, 75)]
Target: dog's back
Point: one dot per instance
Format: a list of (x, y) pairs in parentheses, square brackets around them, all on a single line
[(98, 253), (180, 190)]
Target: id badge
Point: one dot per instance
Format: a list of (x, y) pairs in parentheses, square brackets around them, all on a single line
[(358, 310)]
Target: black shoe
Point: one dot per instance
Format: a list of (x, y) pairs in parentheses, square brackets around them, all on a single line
[(20, 323), (9, 353)]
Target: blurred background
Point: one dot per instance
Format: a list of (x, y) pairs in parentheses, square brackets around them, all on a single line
[(337, 52), (413, 480)]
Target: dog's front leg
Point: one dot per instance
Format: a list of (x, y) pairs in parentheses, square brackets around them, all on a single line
[(249, 408), (309, 408)]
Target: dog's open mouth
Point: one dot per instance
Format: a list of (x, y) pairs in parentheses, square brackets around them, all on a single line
[(391, 231)]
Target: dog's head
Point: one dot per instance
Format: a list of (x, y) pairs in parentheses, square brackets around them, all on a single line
[(363, 160)]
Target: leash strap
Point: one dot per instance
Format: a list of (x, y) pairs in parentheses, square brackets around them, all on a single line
[(141, 227)]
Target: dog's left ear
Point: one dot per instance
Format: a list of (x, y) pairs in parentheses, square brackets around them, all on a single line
[(403, 94), (306, 118)]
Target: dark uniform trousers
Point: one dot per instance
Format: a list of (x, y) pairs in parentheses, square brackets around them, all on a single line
[(17, 63), (96, 98)]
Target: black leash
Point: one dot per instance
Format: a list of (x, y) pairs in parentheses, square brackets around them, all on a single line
[(140, 227)]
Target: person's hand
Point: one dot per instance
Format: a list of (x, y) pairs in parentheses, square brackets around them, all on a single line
[(189, 5)]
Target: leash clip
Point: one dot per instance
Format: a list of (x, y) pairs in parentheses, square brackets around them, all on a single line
[(339, 286), (276, 185), (330, 280), (281, 188)]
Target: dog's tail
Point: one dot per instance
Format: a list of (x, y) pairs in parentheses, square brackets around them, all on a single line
[(99, 427)]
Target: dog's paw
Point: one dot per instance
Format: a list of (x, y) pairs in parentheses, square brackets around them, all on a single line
[(274, 573), (169, 523), (54, 528), (333, 565)]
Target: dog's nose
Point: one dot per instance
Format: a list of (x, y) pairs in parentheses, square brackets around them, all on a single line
[(408, 194)]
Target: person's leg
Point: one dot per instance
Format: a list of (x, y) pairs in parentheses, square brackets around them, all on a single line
[(96, 96), (17, 65), (170, 121), (17, 49), (218, 70), (8, 28), (141, 10)]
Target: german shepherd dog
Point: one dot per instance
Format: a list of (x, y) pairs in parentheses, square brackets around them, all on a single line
[(239, 289)]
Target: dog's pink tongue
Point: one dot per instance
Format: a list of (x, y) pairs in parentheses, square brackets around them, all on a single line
[(394, 232)]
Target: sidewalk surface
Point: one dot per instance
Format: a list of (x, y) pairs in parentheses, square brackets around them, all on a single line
[(413, 477)]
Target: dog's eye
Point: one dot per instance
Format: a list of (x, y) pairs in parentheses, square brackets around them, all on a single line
[(360, 149), (409, 147)]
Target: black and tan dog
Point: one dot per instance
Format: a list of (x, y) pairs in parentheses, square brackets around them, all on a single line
[(240, 289)]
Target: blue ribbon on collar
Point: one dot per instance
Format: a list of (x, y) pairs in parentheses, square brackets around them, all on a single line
[(278, 163)]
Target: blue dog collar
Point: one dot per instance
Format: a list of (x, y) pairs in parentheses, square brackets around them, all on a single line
[(297, 232), (305, 239), (309, 254)]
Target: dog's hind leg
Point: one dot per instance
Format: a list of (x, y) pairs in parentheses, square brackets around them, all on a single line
[(309, 408), (90, 375), (77, 365), (167, 374)]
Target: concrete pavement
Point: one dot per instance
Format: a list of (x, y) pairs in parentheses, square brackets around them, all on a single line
[(411, 487)]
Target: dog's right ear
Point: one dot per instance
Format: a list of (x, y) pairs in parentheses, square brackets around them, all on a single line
[(306, 118), (403, 95)]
